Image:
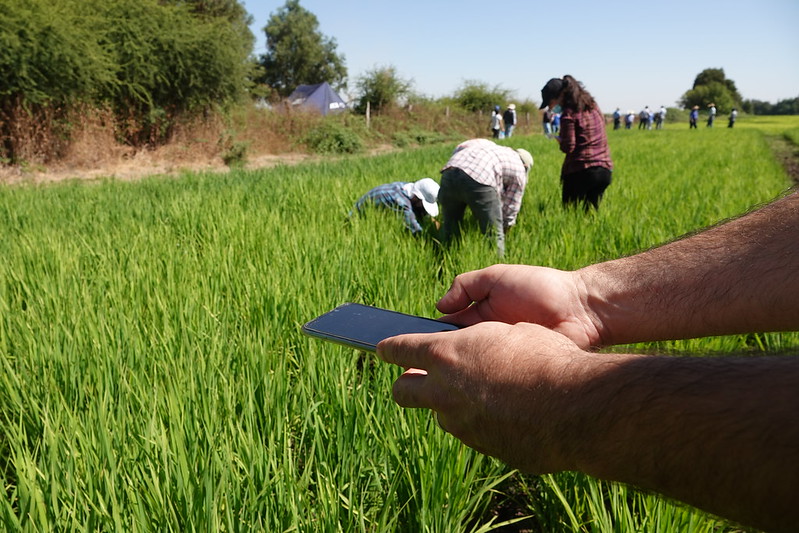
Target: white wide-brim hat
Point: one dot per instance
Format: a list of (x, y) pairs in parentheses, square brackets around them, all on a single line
[(526, 158), (426, 189)]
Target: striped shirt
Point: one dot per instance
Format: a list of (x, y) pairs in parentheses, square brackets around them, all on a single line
[(497, 166), (392, 196), (583, 140)]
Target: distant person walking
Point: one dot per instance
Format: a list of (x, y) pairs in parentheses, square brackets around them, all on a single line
[(733, 116), (711, 115), (413, 200), (643, 117), (490, 180), (629, 119), (660, 118), (693, 117), (509, 118), (587, 168), (616, 119), (496, 123)]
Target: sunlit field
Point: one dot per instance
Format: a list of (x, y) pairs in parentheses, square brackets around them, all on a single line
[(155, 377)]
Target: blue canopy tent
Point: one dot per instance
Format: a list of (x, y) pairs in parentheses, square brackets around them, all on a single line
[(320, 97)]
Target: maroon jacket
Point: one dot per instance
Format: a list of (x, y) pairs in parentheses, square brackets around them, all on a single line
[(583, 140)]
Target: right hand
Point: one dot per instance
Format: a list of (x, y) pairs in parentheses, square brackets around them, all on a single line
[(506, 391), (519, 293)]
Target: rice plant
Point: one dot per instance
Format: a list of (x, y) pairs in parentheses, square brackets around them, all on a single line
[(155, 378)]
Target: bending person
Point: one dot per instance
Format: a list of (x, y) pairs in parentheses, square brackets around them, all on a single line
[(488, 178), (587, 168), (414, 200)]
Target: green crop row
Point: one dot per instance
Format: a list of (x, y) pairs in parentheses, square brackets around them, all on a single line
[(155, 378)]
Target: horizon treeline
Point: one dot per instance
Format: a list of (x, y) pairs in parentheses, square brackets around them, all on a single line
[(787, 106)]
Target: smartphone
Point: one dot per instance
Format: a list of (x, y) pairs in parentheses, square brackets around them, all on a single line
[(363, 326)]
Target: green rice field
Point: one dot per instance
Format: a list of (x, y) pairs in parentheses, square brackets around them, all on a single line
[(155, 377)]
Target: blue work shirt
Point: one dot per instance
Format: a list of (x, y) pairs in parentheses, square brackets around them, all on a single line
[(392, 196)]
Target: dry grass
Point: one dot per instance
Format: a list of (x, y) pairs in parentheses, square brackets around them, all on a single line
[(53, 145), (87, 145), (32, 133)]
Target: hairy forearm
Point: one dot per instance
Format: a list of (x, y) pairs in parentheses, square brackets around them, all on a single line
[(741, 276), (719, 434)]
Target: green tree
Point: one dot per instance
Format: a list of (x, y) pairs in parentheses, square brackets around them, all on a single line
[(789, 106), (231, 10), (51, 59), (149, 61), (711, 85), (710, 75), (297, 53), (476, 96), (170, 61), (713, 92), (51, 53), (381, 88)]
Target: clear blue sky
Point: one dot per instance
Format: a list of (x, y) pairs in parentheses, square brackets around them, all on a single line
[(627, 53)]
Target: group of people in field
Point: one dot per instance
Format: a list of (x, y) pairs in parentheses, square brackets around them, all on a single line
[(648, 117), (521, 380), (490, 179), (503, 124), (693, 116)]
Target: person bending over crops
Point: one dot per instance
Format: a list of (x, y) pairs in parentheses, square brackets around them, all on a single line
[(587, 168), (413, 199), (488, 178), (523, 384)]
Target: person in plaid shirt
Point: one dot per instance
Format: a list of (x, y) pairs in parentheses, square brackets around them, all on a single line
[(587, 168), (488, 178)]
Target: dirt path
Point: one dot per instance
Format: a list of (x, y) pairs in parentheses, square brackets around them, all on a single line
[(140, 165), (150, 163), (787, 153)]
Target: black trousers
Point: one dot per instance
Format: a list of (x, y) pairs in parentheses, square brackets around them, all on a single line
[(586, 186)]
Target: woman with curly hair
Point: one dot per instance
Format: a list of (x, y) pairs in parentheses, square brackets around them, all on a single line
[(587, 167)]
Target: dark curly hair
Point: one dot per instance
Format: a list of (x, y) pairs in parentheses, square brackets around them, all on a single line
[(575, 96)]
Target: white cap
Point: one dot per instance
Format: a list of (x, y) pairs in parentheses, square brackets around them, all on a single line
[(426, 189), (526, 158)]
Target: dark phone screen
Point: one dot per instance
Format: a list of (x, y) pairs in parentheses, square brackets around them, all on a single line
[(364, 326)]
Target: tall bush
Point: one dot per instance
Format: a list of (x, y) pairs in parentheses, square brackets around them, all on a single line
[(149, 61), (478, 96), (170, 61), (381, 88), (51, 57), (711, 85), (52, 52)]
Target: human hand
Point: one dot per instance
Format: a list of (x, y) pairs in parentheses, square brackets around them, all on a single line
[(519, 293), (532, 398), (506, 391)]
